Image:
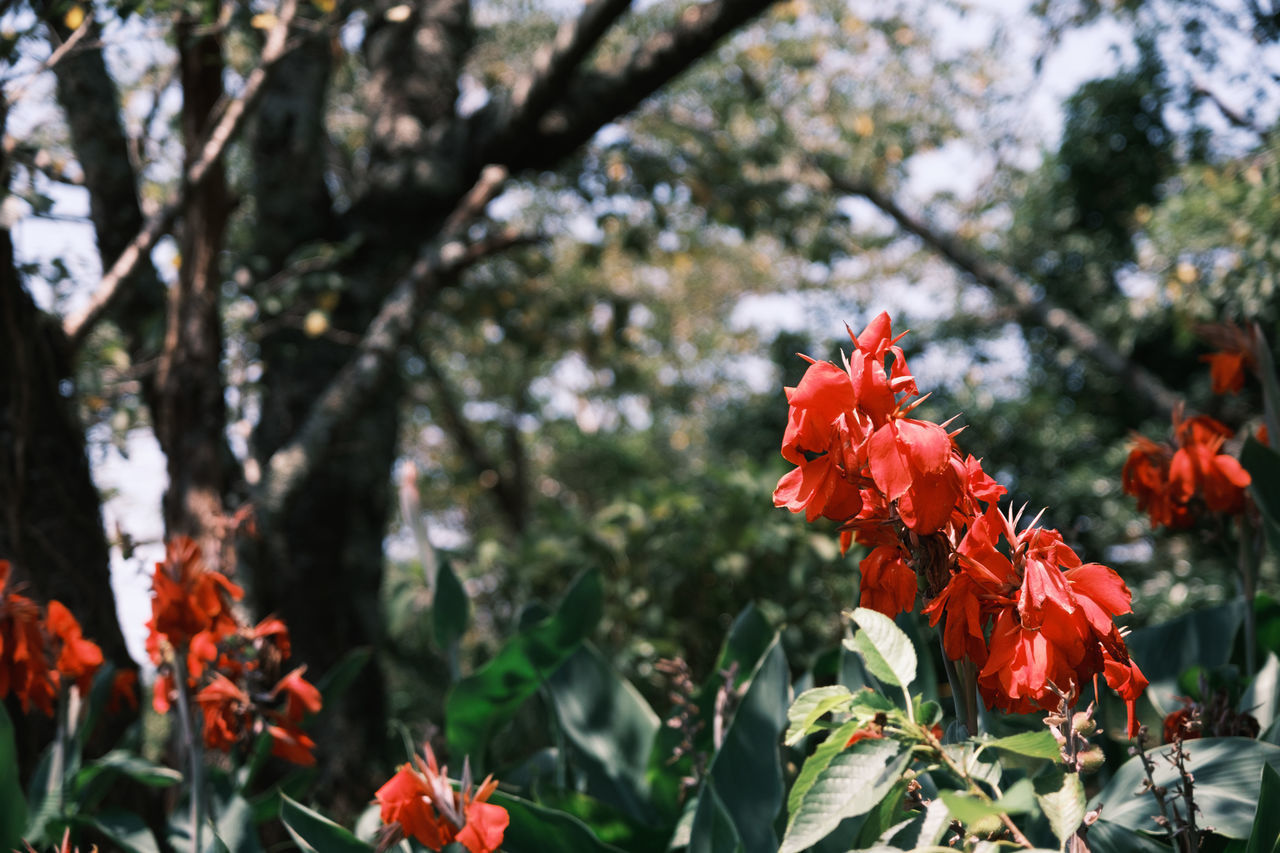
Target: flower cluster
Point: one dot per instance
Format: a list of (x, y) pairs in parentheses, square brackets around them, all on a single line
[(420, 802), (1035, 621), (1175, 487), (236, 671), (41, 649)]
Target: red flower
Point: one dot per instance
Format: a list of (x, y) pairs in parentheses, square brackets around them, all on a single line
[(301, 696), (888, 583), (124, 691), (1174, 487), (190, 607), (24, 653), (78, 658), (420, 802), (1236, 352), (227, 712)]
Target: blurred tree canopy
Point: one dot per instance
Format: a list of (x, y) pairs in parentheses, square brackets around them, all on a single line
[(562, 257)]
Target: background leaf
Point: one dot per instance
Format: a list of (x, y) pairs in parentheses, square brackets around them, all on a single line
[(1228, 777), (610, 727), (478, 704), (313, 831), (13, 806)]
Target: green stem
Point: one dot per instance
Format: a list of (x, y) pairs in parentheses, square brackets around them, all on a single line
[(961, 696), (195, 753), (1248, 565)]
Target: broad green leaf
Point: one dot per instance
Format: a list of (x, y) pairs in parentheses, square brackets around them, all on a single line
[(13, 806), (851, 782), (1228, 778), (746, 771), (96, 778), (125, 830), (538, 829), (451, 609), (713, 830), (313, 831), (748, 640), (810, 706), (1039, 744), (1200, 638), (610, 727), (235, 827), (884, 648), (1264, 836), (1104, 835), (1061, 798), (1262, 697), (1263, 465), (479, 704)]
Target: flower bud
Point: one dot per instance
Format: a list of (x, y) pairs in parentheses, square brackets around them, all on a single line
[(1084, 724), (987, 826), (1091, 760)]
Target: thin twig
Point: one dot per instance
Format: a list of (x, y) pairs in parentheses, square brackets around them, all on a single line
[(229, 123), (53, 59)]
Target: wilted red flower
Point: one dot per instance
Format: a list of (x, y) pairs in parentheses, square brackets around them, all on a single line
[(419, 801)]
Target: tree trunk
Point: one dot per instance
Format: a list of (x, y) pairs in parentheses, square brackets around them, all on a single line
[(191, 412)]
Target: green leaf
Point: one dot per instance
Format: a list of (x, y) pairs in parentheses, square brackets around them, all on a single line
[(451, 609), (1263, 465), (1019, 799), (810, 706), (479, 704), (1200, 638), (313, 831), (1104, 835), (537, 829), (1033, 744), (13, 806), (1264, 837), (610, 727), (1061, 798), (96, 779), (850, 782), (816, 763), (746, 772), (884, 648), (125, 830), (1262, 697), (713, 830), (1228, 778)]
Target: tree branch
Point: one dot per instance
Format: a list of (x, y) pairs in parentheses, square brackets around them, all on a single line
[(443, 258), (1012, 288), (228, 124), (554, 63), (597, 97)]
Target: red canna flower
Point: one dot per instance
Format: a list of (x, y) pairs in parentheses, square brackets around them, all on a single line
[(1236, 353), (301, 696), (227, 711), (78, 658), (190, 607), (419, 801), (1175, 487), (24, 652)]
